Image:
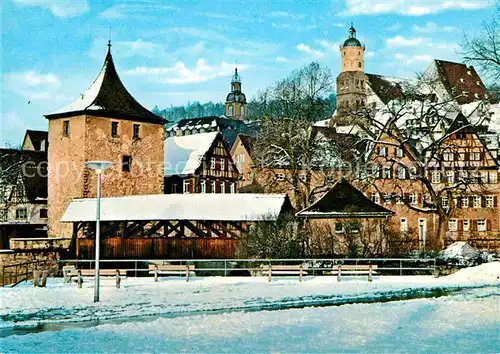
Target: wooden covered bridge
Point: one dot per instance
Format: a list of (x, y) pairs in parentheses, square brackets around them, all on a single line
[(177, 226)]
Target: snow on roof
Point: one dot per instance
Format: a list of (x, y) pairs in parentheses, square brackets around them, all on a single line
[(86, 99), (222, 207), (322, 123), (184, 154)]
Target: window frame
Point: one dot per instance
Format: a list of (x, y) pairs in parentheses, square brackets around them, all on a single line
[(114, 129), (453, 222), (129, 164), (136, 131), (65, 128)]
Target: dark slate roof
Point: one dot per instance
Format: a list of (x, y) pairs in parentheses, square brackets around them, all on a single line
[(343, 200), (462, 81), (384, 88), (32, 166), (108, 97), (36, 137), (230, 128)]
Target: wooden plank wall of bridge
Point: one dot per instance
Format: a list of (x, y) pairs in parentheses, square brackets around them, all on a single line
[(151, 248)]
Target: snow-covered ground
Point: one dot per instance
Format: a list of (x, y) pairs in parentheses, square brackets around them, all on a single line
[(234, 314)]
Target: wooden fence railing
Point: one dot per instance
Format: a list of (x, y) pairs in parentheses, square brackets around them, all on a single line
[(17, 272), (151, 248)]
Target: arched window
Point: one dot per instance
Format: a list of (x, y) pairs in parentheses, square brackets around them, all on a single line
[(359, 64), (231, 110), (242, 110)]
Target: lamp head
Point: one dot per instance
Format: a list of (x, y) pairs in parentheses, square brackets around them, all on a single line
[(98, 166)]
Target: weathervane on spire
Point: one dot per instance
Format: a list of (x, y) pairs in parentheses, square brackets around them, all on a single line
[(109, 39)]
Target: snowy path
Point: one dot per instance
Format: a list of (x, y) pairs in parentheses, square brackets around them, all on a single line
[(58, 303), (231, 314), (463, 323)]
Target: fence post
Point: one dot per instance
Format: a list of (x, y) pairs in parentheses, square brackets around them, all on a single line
[(45, 274), (36, 278), (187, 272), (3, 275), (370, 273), (269, 276), (118, 279), (156, 273), (400, 267), (136, 268), (225, 268), (339, 273), (300, 273), (79, 279)]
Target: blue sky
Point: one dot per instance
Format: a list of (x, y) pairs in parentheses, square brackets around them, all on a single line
[(171, 52)]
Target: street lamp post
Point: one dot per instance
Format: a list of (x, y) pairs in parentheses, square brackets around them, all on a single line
[(99, 167)]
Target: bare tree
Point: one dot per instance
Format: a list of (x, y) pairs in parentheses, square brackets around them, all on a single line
[(484, 50), (288, 153)]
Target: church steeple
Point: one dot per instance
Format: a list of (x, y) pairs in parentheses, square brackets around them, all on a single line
[(236, 100)]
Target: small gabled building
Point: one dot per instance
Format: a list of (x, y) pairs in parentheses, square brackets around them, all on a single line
[(23, 194), (35, 140), (198, 163), (241, 153), (346, 222)]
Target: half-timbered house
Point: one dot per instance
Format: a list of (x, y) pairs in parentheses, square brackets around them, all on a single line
[(199, 163)]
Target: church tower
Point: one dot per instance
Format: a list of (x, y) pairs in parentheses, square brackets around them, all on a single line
[(104, 123), (352, 81), (236, 101)]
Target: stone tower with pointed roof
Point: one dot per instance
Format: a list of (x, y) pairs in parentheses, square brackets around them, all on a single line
[(104, 123), (236, 100), (351, 82)]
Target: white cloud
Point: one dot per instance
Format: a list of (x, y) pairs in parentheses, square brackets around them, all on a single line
[(32, 79), (431, 27), (338, 24), (135, 10), (409, 7), (179, 73), (282, 60), (394, 27), (202, 33), (423, 57), (58, 8), (250, 48), (284, 14), (281, 25), (400, 41), (369, 54), (308, 50), (124, 49), (328, 45)]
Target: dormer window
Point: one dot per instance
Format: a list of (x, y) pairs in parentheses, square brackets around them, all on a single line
[(42, 145), (462, 80), (478, 83), (469, 72)]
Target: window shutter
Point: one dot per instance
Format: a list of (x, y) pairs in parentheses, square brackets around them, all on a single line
[(495, 204), (471, 202), (481, 156), (474, 225), (459, 202), (406, 196), (460, 225), (191, 186), (488, 225), (483, 202)]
